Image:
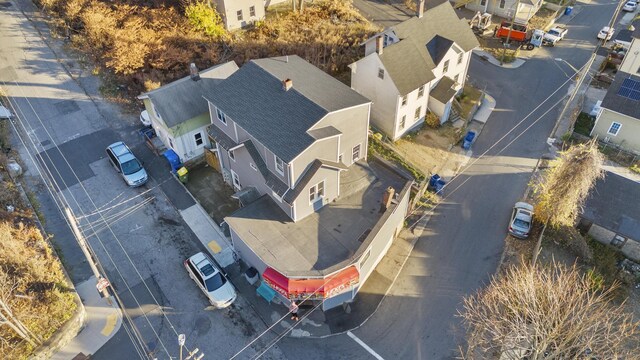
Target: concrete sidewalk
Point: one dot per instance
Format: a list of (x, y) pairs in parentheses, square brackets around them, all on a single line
[(103, 319)]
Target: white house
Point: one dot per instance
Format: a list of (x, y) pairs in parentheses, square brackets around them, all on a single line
[(416, 65), (179, 113)]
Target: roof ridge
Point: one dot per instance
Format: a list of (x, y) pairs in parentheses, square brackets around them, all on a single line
[(185, 78)]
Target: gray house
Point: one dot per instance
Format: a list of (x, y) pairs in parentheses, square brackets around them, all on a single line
[(297, 137), (611, 214)]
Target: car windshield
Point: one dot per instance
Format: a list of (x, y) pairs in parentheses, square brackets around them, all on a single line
[(131, 167), (553, 32), (519, 223), (215, 282)]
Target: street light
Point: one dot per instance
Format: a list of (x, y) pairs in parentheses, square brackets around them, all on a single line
[(181, 340), (566, 62)]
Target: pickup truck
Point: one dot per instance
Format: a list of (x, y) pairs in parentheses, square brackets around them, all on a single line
[(554, 35)]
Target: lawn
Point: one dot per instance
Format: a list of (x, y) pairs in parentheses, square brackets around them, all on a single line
[(469, 97)]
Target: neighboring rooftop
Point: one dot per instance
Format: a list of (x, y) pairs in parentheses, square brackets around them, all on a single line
[(422, 43), (181, 100), (326, 239), (444, 90), (255, 99), (614, 204), (626, 102)]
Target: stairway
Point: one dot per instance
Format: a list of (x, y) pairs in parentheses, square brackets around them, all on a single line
[(455, 118)]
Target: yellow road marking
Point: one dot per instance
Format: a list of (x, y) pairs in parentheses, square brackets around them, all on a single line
[(110, 325), (213, 245)]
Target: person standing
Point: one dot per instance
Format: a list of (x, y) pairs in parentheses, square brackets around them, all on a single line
[(293, 309)]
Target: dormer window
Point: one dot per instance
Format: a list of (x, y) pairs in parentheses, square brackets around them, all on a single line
[(221, 116), (279, 166)]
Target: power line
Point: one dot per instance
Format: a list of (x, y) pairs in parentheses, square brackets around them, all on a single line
[(62, 196)]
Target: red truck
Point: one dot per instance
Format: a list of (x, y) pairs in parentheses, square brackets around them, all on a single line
[(518, 32)]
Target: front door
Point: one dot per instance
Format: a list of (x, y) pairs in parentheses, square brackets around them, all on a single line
[(236, 180)]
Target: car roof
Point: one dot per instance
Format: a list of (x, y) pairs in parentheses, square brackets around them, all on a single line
[(121, 151), (200, 260)]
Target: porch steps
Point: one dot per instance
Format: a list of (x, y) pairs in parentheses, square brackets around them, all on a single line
[(454, 117)]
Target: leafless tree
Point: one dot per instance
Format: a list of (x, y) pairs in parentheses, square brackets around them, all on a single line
[(566, 184), (547, 312)]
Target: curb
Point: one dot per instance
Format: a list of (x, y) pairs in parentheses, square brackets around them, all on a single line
[(493, 61)]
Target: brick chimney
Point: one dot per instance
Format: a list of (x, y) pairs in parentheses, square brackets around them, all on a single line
[(420, 9), (193, 70), (287, 84), (379, 45), (387, 197)]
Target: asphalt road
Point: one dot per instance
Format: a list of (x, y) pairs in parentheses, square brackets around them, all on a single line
[(463, 243)]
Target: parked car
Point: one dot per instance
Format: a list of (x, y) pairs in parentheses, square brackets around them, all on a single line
[(606, 33), (630, 6), (210, 280), (123, 160), (521, 220), (554, 35)]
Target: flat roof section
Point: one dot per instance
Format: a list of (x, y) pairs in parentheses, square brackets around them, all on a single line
[(325, 238)]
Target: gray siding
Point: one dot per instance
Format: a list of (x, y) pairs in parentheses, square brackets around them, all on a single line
[(383, 238), (302, 205), (268, 157), (246, 254), (324, 149), (630, 249), (354, 125), (228, 128), (251, 177)]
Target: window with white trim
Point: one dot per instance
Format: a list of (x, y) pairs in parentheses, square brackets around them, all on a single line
[(279, 166), (502, 4), (198, 139), (403, 121), (252, 11), (232, 156), (381, 73), (404, 100), (416, 116), (483, 2), (420, 91), (236, 180), (316, 192), (355, 153), (239, 14), (614, 129), (221, 116), (455, 78)]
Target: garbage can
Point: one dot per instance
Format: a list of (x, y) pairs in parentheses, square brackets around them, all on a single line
[(568, 10), (468, 140), (434, 180), (174, 160), (183, 175), (439, 186)]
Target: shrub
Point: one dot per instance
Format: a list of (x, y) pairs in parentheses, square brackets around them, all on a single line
[(432, 120), (204, 17)]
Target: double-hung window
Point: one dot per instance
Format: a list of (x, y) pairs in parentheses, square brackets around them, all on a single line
[(198, 139), (252, 11), (614, 129), (220, 115), (316, 192)]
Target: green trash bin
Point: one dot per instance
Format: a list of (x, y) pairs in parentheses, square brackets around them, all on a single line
[(183, 175)]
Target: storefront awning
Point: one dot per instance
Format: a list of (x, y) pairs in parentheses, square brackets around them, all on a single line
[(314, 288)]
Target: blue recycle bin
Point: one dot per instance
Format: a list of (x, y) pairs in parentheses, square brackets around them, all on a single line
[(436, 183), (468, 140), (174, 160), (568, 10)]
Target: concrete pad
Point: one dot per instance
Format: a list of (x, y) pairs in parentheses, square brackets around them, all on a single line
[(103, 319), (207, 232)]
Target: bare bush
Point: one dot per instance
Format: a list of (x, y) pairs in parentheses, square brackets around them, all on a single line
[(551, 312), (566, 184)]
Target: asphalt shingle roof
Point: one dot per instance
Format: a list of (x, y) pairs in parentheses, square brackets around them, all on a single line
[(409, 61), (272, 181), (618, 103), (614, 203), (181, 100), (444, 90), (254, 98)]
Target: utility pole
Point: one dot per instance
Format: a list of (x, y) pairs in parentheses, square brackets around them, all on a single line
[(85, 248), (513, 20), (181, 340)]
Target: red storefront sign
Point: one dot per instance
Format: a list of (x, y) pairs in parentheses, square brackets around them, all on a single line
[(314, 289)]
